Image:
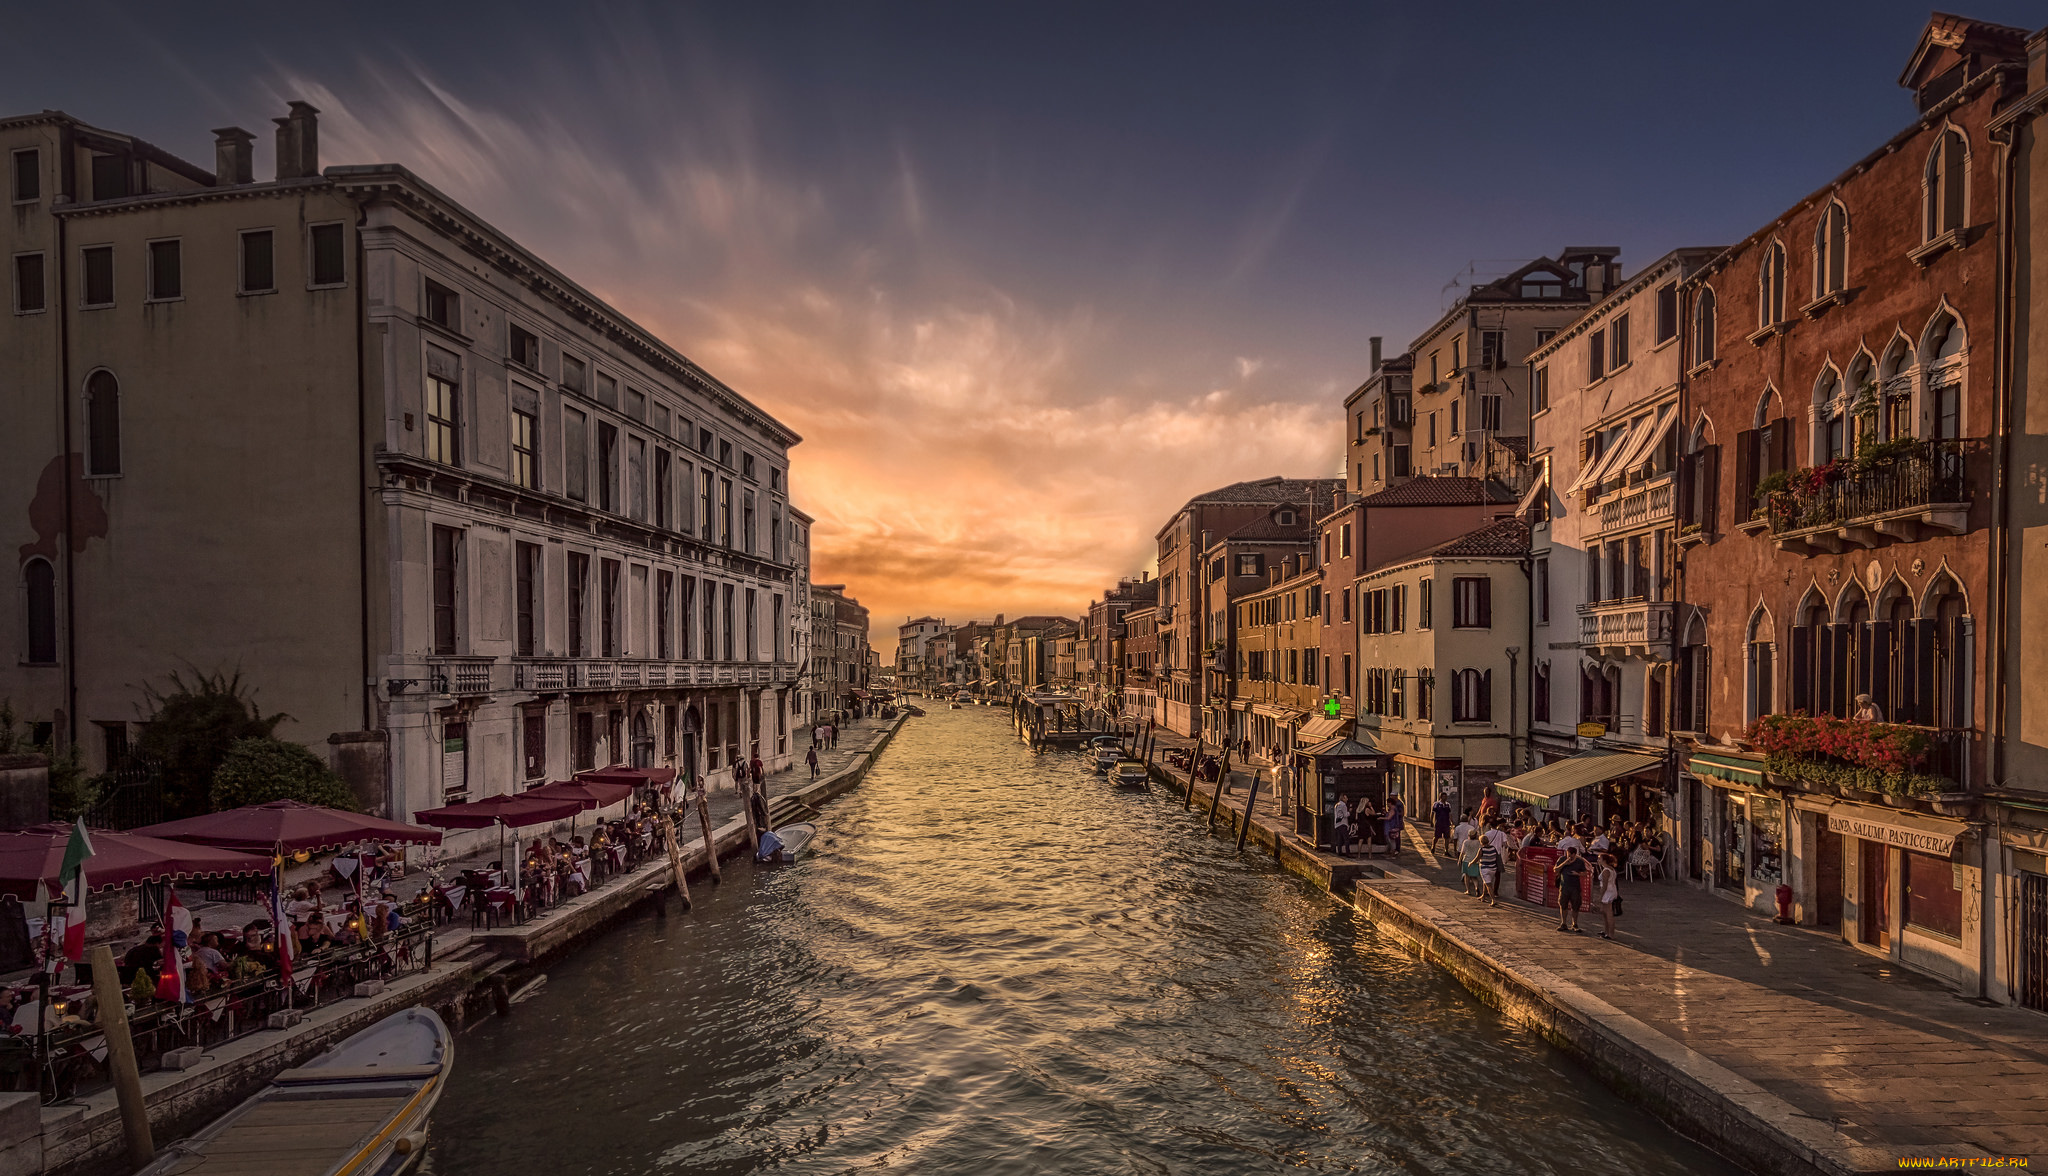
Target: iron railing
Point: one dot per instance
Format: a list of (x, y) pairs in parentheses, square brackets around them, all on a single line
[(1930, 472)]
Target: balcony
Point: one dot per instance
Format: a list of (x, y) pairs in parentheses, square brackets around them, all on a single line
[(458, 676), (1646, 505), (1915, 494), (549, 675), (1633, 626)]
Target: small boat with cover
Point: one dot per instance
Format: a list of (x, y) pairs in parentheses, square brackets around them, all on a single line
[(360, 1109), (1130, 777)]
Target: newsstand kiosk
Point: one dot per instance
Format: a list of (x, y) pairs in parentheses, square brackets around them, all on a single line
[(1338, 767)]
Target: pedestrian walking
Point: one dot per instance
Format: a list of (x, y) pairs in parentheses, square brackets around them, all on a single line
[(832, 736), (1397, 815), (1489, 872), (811, 758), (1440, 824), (739, 775), (1340, 827), (1610, 893), (755, 771), (1468, 863), (1571, 889)]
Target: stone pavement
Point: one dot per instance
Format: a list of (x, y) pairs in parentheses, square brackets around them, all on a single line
[(1859, 1061)]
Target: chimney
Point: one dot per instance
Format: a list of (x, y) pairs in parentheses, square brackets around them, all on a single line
[(234, 156), (999, 620), (1375, 353), (298, 142)]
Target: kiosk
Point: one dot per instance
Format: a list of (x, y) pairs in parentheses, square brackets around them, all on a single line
[(1336, 767)]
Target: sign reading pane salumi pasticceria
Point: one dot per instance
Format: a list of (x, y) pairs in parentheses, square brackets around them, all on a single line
[(1921, 840)]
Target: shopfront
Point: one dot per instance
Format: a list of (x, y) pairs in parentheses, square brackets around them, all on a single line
[(1910, 888), (1423, 780), (1545, 788), (1732, 830)]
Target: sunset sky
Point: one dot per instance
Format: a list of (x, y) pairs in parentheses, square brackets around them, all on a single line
[(1026, 277)]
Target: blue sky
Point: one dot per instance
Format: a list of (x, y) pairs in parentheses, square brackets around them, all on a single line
[(1028, 276)]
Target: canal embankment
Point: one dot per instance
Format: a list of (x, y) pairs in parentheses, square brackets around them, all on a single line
[(1781, 1048), (471, 972)]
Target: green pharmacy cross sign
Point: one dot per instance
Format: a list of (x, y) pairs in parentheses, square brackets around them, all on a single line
[(1331, 708)]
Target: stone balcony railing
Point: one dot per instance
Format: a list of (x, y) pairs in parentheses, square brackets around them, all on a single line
[(592, 673), (1626, 626), (1652, 502)]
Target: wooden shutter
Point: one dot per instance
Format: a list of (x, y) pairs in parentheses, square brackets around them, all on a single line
[(1746, 474), (1906, 707), (1688, 473), (1483, 590), (1822, 699), (1781, 445), (1708, 495), (1960, 636), (1802, 669), (1924, 640), (1485, 699), (1841, 671), (1866, 646), (1883, 653), (1702, 666)]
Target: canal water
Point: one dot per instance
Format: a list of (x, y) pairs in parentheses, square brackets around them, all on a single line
[(993, 963)]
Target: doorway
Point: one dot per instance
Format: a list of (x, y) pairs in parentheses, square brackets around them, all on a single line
[(1874, 909), (2033, 940), (1827, 902)]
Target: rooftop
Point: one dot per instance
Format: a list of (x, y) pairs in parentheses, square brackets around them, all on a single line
[(1432, 490)]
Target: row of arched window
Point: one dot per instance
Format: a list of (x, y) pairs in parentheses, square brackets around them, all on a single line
[(1945, 210), (1909, 657)]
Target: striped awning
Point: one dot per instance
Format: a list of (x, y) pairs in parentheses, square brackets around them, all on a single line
[(1567, 775), (1733, 769)]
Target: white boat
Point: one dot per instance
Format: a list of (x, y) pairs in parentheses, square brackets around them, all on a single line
[(1105, 759), (1130, 777), (789, 842), (360, 1109)]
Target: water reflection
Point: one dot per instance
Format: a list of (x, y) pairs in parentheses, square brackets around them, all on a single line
[(993, 963)]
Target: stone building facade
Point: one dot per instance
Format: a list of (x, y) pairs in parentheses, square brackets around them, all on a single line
[(418, 486)]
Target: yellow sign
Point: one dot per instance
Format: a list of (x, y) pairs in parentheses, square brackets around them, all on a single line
[(1592, 730)]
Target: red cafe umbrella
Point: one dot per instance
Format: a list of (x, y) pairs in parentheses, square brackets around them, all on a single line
[(633, 777), (288, 826), (513, 812), (587, 792), (36, 854)]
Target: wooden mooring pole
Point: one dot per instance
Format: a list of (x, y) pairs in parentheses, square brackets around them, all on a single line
[(109, 994), (1245, 826), (710, 842), (1194, 774), (1222, 774), (675, 860)]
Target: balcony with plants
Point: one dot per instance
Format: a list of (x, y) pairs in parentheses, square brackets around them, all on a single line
[(1898, 764), (1900, 490)]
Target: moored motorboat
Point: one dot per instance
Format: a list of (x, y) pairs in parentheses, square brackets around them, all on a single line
[(1130, 777), (360, 1109), (787, 843), (1105, 759)]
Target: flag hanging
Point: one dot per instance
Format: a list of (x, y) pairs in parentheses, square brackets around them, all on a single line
[(171, 985), (280, 923), (72, 878)]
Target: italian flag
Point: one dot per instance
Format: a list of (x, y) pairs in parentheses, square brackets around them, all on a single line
[(72, 876)]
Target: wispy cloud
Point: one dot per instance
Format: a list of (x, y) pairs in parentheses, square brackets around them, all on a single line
[(967, 451)]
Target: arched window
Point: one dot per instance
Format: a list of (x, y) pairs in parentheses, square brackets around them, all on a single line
[(102, 424), (1895, 381), (1762, 664), (1861, 389), (1830, 417), (1831, 251), (1703, 327), (1472, 696), (1770, 287), (1949, 631), (1944, 351), (39, 580), (1808, 653), (1946, 183)]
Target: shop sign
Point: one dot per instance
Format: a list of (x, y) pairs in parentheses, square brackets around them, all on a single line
[(1933, 841), (1364, 765), (1592, 730)]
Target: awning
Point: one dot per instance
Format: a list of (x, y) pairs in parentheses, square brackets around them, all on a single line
[(1726, 767), (1594, 470), (1345, 747), (1566, 775), (1537, 488), (1318, 729), (1646, 438), (1914, 831), (1271, 711)]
